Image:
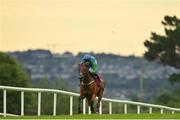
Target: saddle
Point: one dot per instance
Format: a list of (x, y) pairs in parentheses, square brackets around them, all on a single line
[(97, 79)]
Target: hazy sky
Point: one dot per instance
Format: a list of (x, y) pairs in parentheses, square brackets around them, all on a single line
[(110, 26)]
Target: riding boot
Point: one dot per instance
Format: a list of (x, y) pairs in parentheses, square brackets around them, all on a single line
[(97, 80)]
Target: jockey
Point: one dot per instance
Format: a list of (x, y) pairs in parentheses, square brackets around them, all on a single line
[(93, 66)]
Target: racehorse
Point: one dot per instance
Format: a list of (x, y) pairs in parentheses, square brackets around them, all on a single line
[(89, 88)]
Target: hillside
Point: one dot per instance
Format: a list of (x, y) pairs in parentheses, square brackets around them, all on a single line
[(122, 74)]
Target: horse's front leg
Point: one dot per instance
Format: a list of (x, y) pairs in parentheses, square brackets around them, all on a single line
[(79, 103), (92, 103)]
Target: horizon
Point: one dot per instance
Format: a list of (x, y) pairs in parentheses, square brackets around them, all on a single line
[(112, 27), (91, 52)]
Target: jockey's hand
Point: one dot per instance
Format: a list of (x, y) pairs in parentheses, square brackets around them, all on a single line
[(91, 70)]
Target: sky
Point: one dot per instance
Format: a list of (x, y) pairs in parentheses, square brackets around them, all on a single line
[(109, 26)]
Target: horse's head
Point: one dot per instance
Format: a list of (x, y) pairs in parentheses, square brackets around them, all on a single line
[(83, 70)]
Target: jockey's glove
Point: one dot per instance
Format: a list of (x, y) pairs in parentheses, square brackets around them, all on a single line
[(91, 70)]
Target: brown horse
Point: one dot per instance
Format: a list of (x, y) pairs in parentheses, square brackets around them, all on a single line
[(89, 88)]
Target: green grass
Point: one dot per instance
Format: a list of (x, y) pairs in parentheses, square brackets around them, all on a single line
[(96, 116)]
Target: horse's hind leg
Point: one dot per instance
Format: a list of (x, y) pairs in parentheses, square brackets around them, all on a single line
[(98, 104), (79, 103)]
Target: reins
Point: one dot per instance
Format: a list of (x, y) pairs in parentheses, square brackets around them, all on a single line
[(87, 83)]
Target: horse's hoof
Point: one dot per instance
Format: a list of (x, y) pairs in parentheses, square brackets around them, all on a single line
[(79, 111), (93, 111), (97, 111)]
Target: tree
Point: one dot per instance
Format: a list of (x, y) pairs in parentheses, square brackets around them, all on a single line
[(166, 48), (12, 74), (168, 99)]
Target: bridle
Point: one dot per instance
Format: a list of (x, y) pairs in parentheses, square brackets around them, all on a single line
[(82, 77)]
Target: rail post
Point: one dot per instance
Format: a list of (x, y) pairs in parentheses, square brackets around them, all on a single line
[(138, 109), (71, 105), (54, 104), (39, 103), (150, 110), (89, 110), (110, 108), (100, 108), (22, 103), (84, 106), (162, 111), (4, 102), (125, 108)]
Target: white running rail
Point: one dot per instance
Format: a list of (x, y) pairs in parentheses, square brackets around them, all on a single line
[(71, 95)]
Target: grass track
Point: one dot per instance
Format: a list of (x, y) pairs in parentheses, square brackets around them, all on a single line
[(95, 116)]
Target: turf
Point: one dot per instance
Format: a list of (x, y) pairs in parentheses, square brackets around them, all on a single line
[(95, 116)]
